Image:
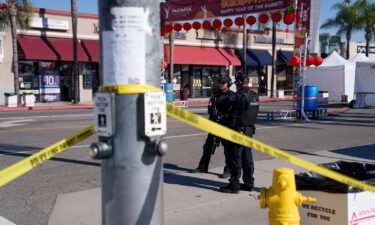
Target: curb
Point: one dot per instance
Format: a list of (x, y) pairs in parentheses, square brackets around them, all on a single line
[(48, 107)]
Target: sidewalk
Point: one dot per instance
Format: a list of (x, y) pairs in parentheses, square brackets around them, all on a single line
[(89, 105), (192, 199)]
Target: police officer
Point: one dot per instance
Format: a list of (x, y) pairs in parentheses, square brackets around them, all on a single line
[(220, 116), (245, 107)]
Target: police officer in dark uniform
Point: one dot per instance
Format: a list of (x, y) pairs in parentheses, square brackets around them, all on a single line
[(245, 106), (220, 116)]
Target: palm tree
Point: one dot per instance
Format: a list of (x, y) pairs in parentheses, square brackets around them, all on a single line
[(367, 20), (75, 52), (16, 12), (347, 20)]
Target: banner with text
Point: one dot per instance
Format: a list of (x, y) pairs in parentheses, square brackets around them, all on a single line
[(203, 9), (302, 24)]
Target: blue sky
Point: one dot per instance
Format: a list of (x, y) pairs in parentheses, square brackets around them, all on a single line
[(91, 6)]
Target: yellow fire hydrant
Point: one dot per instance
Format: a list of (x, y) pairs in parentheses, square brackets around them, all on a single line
[(282, 198)]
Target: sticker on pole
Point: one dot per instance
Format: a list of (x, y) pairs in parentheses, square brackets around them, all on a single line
[(103, 114), (124, 46), (155, 114)]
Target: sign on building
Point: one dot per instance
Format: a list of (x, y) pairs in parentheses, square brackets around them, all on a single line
[(362, 49), (45, 23)]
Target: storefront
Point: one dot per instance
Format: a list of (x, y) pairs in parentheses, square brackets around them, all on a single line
[(284, 71), (46, 56), (45, 66), (257, 66), (199, 67)]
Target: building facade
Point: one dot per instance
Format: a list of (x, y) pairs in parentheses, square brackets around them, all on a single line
[(46, 55), (332, 42)]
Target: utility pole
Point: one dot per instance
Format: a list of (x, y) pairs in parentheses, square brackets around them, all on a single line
[(130, 144), (75, 71), (244, 66)]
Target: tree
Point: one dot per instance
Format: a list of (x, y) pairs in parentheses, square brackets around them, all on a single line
[(347, 20), (367, 20), (75, 52), (16, 13)]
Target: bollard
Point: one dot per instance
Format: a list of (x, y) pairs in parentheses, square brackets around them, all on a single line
[(282, 198)]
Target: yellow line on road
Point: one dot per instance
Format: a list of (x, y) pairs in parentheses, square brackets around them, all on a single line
[(42, 128)]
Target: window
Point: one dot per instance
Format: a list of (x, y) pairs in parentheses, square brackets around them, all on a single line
[(87, 78), (88, 72)]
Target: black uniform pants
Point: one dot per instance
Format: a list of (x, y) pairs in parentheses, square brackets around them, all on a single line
[(207, 152), (241, 158)]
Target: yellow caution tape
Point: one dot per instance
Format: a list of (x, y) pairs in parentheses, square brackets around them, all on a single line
[(25, 165), (238, 138), (199, 122)]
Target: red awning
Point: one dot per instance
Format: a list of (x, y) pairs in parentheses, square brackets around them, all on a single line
[(230, 56), (92, 47), (201, 56), (36, 48), (64, 49)]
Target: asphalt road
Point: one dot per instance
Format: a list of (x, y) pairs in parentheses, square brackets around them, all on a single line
[(29, 199)]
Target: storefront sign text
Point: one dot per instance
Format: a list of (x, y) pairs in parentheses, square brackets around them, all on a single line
[(269, 40), (203, 9), (46, 23)]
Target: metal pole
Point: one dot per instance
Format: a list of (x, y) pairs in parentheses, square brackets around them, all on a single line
[(171, 55), (273, 80), (244, 66), (130, 54), (305, 117)]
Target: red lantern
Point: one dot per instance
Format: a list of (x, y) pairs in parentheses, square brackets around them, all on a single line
[(239, 21), (197, 25), (263, 19), (228, 22), (217, 24), (288, 18), (206, 25), (309, 61), (317, 61), (276, 17), (168, 28), (186, 26), (295, 61), (177, 27), (165, 65), (251, 20)]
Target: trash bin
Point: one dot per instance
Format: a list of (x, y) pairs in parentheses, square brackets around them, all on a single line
[(168, 89), (311, 97), (10, 99), (28, 100), (338, 203)]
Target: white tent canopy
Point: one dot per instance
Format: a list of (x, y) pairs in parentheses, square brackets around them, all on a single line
[(360, 57), (365, 84), (336, 75), (334, 59)]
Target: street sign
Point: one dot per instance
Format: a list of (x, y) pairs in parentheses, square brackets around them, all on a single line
[(104, 114), (155, 114)]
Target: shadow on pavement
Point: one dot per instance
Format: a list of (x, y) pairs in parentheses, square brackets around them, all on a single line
[(364, 151), (194, 182)]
